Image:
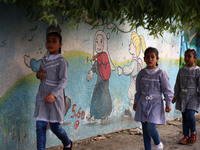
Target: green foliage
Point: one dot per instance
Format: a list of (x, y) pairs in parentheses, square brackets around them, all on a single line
[(181, 62), (156, 16)]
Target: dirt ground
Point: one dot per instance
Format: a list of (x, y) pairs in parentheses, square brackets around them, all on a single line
[(131, 139)]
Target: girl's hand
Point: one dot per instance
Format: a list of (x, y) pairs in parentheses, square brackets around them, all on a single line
[(134, 106), (174, 100), (40, 74), (168, 108), (50, 98)]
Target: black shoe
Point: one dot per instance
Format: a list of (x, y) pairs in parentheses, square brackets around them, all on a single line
[(71, 147)]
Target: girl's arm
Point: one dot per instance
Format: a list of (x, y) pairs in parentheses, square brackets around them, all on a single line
[(166, 88), (40, 74), (177, 86), (62, 74), (138, 88), (168, 108), (134, 106), (173, 100), (198, 81), (49, 98)]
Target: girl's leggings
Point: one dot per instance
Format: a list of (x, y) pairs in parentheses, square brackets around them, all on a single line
[(41, 127), (189, 122), (150, 131)]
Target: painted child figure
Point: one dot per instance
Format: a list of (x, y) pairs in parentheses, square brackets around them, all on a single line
[(136, 45), (186, 96), (151, 83), (50, 101), (101, 103)]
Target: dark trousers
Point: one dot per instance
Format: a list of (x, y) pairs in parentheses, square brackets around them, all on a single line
[(150, 131), (41, 127), (189, 122)]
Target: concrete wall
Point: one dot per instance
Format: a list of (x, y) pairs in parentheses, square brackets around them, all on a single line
[(22, 45)]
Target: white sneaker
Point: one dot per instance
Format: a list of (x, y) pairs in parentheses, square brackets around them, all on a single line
[(159, 146)]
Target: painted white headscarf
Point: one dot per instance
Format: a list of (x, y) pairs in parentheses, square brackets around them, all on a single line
[(105, 49)]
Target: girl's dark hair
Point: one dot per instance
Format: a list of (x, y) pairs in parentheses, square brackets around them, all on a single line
[(193, 52), (152, 49), (54, 30), (57, 35)]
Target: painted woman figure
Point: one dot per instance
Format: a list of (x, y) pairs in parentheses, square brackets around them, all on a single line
[(101, 104), (137, 43)]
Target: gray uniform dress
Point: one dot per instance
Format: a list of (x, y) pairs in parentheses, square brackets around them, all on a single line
[(186, 89), (56, 79), (150, 85)]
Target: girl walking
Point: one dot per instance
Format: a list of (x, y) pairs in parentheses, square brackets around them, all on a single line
[(50, 101), (151, 83), (186, 96)]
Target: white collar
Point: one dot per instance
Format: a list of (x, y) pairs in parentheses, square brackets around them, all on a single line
[(52, 57), (190, 68), (151, 71)]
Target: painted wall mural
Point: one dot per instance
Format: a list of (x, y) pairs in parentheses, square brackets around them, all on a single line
[(137, 44), (101, 103), (189, 39), (101, 78)]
